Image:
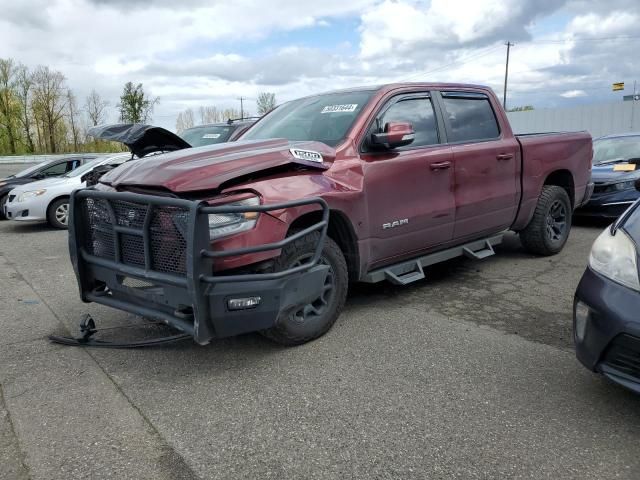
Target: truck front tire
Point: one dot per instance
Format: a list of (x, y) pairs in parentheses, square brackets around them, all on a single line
[(315, 319), (549, 228)]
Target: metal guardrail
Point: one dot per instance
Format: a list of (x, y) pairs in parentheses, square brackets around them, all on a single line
[(39, 158)]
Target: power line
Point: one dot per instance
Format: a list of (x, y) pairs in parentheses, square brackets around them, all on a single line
[(460, 61), (584, 39)]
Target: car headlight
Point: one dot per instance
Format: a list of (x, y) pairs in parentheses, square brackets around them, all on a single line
[(223, 224), (32, 193), (614, 256), (628, 185), (2, 184)]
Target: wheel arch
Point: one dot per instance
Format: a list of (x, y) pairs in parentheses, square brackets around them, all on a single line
[(564, 179), (341, 231)]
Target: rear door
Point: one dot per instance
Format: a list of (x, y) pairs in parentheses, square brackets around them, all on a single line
[(409, 189), (486, 164)]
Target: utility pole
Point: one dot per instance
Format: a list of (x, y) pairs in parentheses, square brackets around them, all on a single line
[(633, 105), (242, 99), (506, 76)]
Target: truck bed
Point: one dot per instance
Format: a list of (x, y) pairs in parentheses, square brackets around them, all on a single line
[(543, 153)]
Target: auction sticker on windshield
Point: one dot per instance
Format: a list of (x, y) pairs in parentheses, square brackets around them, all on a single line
[(624, 167), (211, 135), (349, 107)]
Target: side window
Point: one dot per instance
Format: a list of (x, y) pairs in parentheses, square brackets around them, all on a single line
[(470, 118), (73, 164), (419, 113), (55, 170)]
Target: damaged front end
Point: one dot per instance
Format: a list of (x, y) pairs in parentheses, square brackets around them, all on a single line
[(152, 256)]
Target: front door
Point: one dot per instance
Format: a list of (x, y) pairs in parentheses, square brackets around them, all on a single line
[(409, 190), (486, 165)]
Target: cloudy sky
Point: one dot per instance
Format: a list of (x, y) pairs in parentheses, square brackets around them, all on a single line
[(209, 52)]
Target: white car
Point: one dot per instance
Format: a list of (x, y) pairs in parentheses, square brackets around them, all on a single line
[(48, 200)]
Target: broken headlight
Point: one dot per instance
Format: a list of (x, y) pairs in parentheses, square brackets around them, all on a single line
[(224, 224)]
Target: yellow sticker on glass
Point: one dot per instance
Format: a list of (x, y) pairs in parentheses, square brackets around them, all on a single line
[(624, 167)]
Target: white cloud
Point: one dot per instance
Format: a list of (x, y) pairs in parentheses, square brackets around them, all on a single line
[(573, 94), (199, 51)]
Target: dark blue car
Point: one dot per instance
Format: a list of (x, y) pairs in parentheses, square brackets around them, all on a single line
[(614, 172), (606, 320)]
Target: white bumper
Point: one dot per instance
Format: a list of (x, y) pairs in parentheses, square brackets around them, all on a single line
[(31, 210)]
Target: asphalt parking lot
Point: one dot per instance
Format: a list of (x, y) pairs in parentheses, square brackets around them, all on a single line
[(469, 373)]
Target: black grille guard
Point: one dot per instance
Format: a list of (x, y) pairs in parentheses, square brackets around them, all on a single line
[(195, 287)]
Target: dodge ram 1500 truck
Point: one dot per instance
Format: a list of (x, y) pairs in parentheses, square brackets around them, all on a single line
[(359, 185)]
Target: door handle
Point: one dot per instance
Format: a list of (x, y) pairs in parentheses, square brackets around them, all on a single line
[(440, 165), (504, 156)]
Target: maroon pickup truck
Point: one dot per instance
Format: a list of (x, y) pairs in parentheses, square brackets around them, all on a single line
[(359, 185)]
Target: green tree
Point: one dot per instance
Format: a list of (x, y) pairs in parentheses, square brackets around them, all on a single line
[(49, 101), (266, 102), (135, 105), (24, 84), (9, 108)]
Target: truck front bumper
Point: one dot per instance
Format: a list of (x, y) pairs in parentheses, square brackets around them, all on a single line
[(152, 256)]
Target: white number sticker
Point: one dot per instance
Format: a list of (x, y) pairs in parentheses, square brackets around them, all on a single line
[(211, 135), (308, 155), (350, 107)]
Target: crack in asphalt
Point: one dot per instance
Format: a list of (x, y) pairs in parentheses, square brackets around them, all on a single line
[(16, 440), (171, 461)]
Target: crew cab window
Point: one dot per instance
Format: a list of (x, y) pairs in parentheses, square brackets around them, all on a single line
[(470, 117), (419, 113)]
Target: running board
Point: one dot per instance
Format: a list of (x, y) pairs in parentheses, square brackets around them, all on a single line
[(412, 270)]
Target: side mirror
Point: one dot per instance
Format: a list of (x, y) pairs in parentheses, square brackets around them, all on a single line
[(39, 176), (396, 134)]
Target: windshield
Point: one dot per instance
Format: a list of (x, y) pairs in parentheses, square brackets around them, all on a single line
[(27, 171), (620, 148), (200, 136), (94, 163), (323, 118)]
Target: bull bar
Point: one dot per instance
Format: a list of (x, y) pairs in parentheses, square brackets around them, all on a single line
[(152, 256)]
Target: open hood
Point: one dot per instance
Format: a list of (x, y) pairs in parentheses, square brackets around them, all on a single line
[(140, 138), (206, 168)]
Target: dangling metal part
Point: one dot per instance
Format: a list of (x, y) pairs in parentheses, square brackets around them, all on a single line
[(88, 329)]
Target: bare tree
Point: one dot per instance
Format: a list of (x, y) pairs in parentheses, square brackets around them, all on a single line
[(135, 105), (49, 99), (209, 114), (95, 107), (8, 103), (266, 102), (185, 120), (72, 113), (230, 114), (24, 84)]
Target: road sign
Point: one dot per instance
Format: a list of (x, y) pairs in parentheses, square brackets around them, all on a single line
[(618, 86)]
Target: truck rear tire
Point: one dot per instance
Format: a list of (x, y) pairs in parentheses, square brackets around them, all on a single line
[(315, 319), (549, 228)]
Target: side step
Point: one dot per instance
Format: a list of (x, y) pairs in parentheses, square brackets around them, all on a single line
[(412, 270)]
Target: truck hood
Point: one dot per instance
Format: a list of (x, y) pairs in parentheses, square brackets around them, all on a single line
[(140, 138), (206, 168), (606, 174)]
